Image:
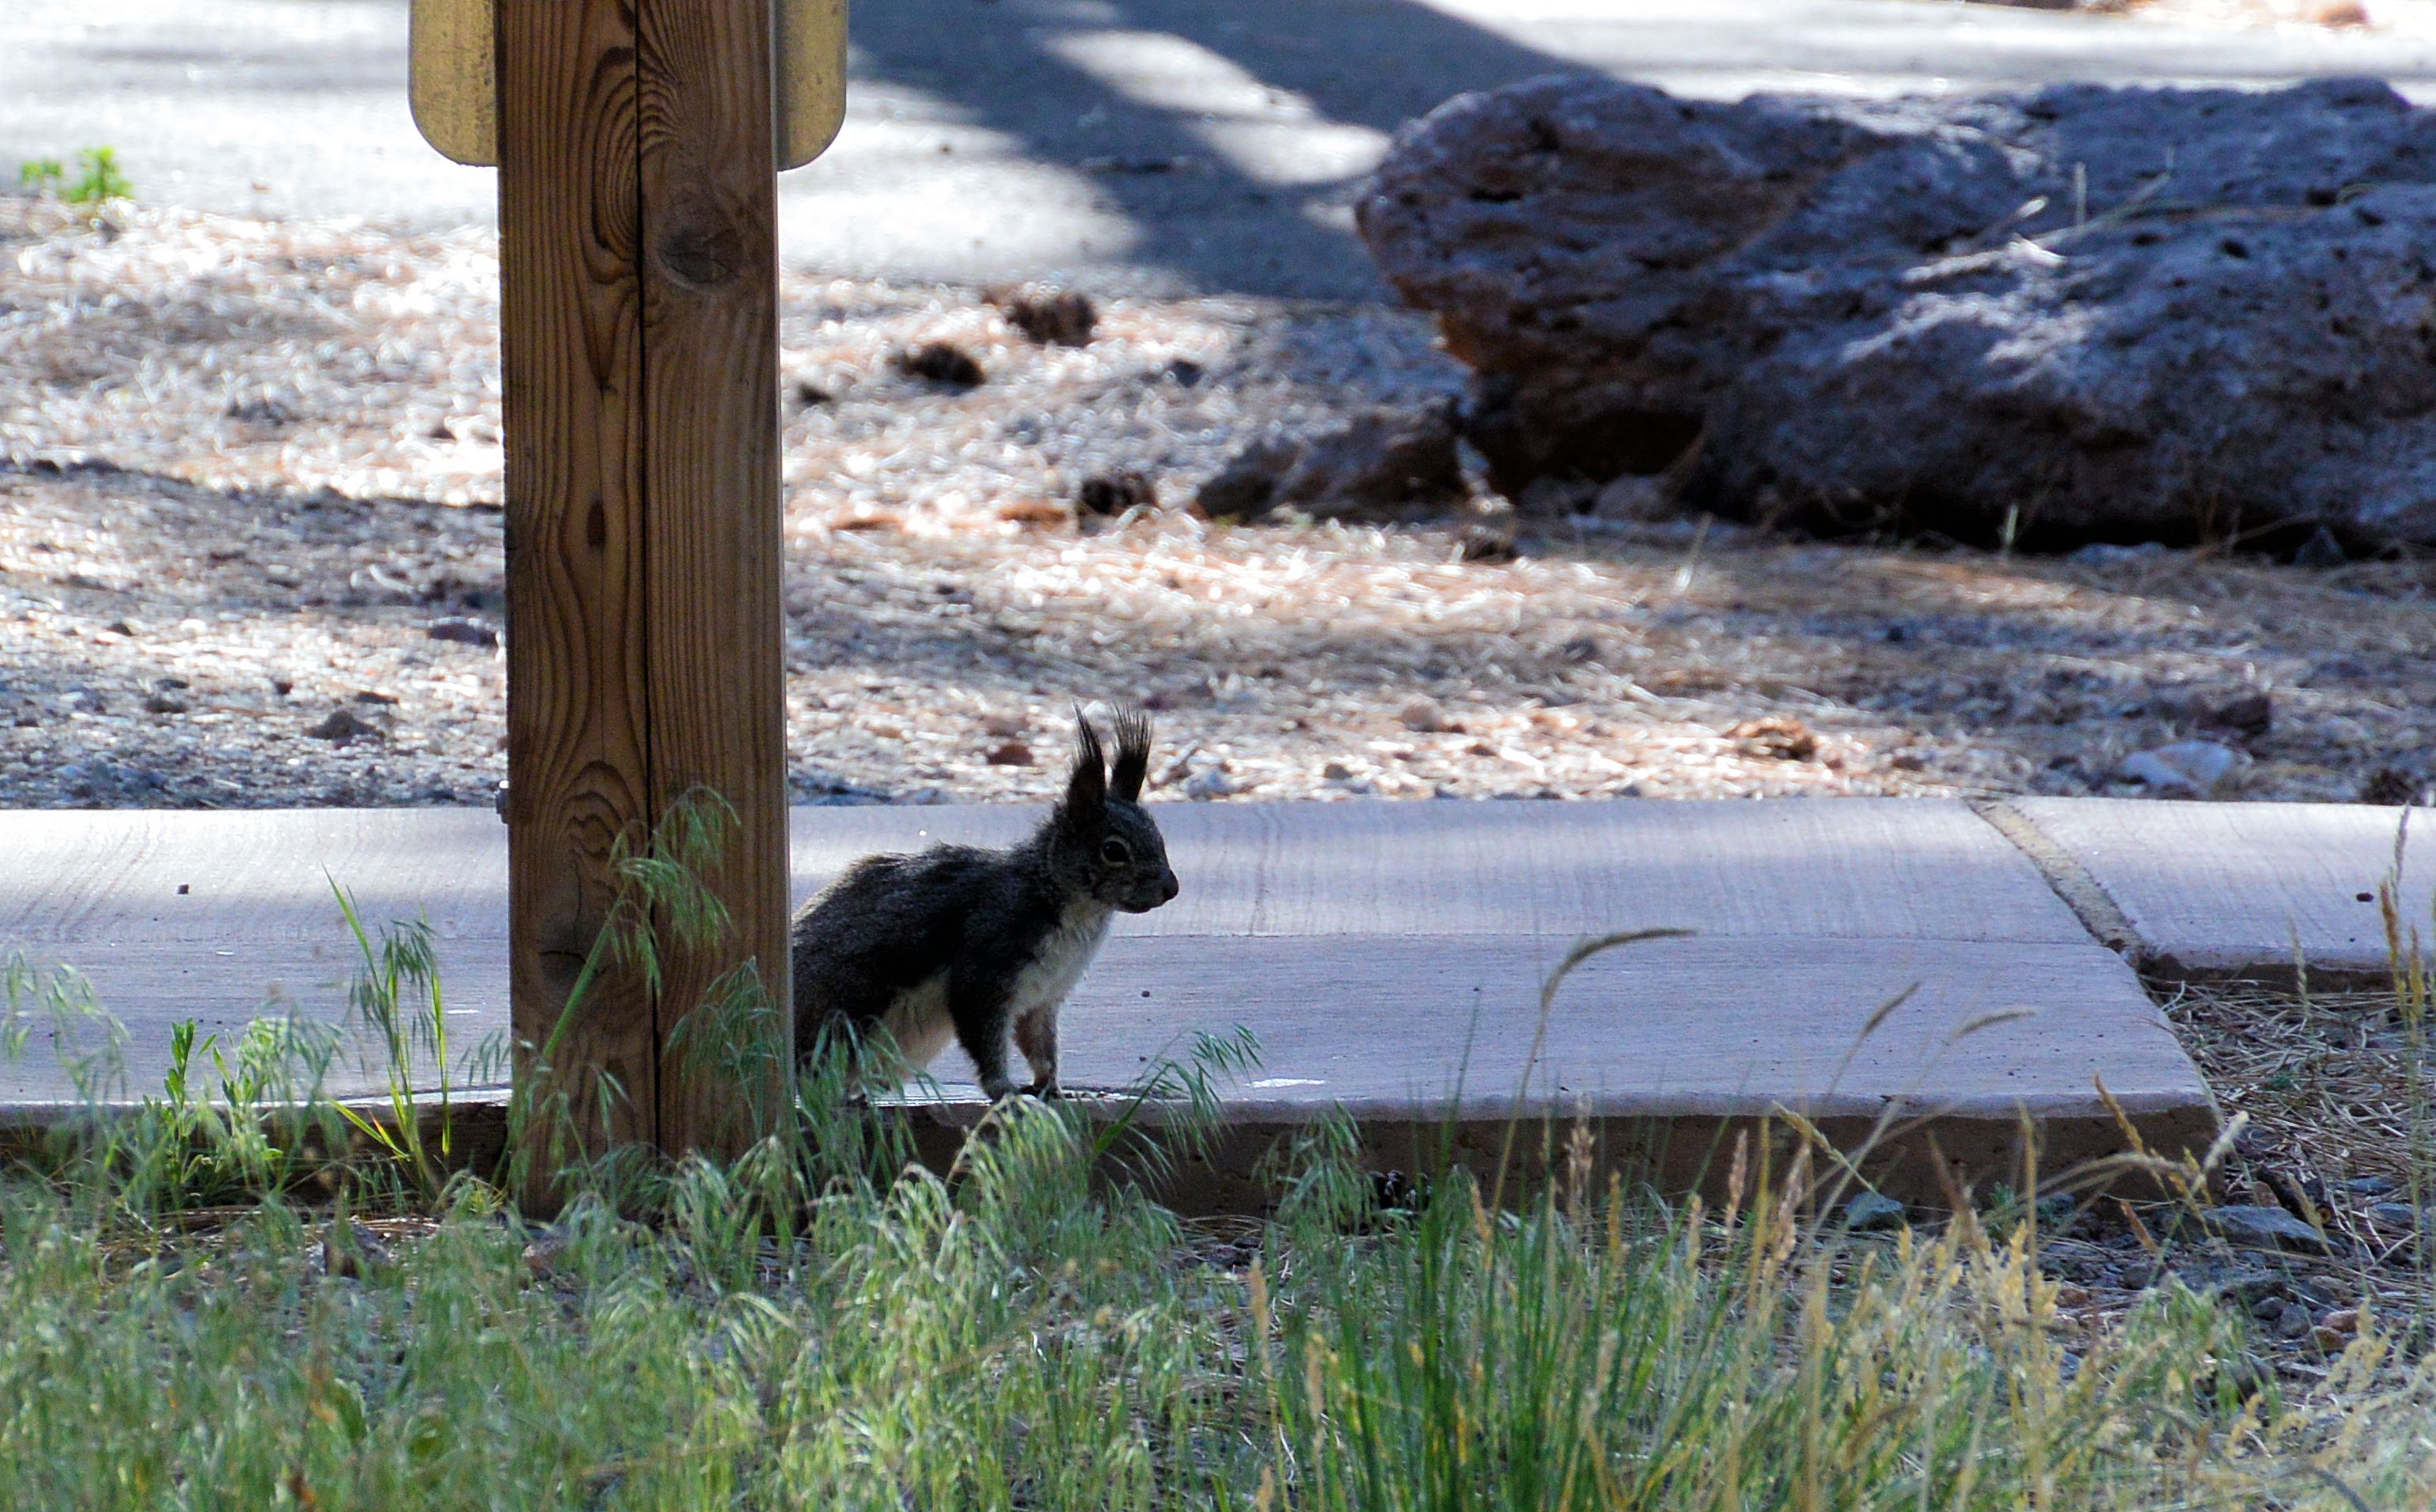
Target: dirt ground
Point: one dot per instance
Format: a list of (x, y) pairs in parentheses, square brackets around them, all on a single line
[(250, 554)]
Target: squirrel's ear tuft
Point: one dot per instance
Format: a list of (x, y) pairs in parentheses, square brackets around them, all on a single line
[(1133, 756), (1087, 791)]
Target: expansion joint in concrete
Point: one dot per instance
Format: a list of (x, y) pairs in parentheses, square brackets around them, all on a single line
[(2065, 874)]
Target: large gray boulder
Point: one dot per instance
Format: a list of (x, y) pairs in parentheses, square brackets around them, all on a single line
[(2084, 314)]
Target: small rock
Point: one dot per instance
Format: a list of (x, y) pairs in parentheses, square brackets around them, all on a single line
[(164, 703), (89, 701), (366, 695), (2370, 1185), (1555, 497), (2320, 550), (2262, 1228), (942, 362), (810, 395), (1336, 772), (1210, 782), (1011, 754), (2400, 1217), (267, 410), (2108, 554), (2296, 1323), (1381, 459), (1115, 493), (360, 1253), (464, 630), (545, 1254), (1487, 544), (28, 717), (2185, 768), (1185, 373), (343, 726), (1053, 318), (2245, 715), (281, 687), (2392, 787), (1778, 736), (1004, 724), (2342, 1321), (1424, 716), (100, 777), (1869, 1211), (1635, 496), (1248, 483)]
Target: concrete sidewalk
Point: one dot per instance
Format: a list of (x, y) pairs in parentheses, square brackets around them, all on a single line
[(1389, 956), (1169, 145)]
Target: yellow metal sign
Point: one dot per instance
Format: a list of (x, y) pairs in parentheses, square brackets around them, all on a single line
[(453, 89)]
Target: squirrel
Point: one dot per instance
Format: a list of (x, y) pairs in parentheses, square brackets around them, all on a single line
[(982, 946)]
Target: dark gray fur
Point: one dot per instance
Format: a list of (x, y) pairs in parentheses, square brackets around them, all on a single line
[(1003, 934)]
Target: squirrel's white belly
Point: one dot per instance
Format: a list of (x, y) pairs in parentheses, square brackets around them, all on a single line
[(1064, 957), (919, 1023)]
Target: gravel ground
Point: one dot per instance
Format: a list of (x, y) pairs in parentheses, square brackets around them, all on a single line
[(250, 555)]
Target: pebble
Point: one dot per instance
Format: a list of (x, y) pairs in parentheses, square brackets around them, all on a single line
[(1869, 1211), (2105, 553), (466, 630), (1115, 493), (2263, 1228), (2184, 768), (2370, 1185), (1210, 782), (2398, 1216), (344, 724), (1423, 716), (2320, 550), (360, 1253)]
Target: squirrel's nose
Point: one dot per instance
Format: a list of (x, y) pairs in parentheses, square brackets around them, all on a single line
[(1170, 883)]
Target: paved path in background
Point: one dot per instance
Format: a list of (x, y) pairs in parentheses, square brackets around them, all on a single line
[(1143, 144)]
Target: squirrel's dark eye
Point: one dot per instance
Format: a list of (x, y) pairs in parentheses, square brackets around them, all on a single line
[(1114, 851)]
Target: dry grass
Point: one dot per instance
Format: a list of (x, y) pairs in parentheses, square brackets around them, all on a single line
[(2327, 1080)]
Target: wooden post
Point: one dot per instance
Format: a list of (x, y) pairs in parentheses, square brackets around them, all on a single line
[(638, 319)]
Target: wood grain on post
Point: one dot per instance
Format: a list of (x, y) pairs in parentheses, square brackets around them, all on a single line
[(712, 599), (638, 269)]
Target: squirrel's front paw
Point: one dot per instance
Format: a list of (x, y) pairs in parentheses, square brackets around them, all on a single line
[(1046, 1089), (999, 1091)]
